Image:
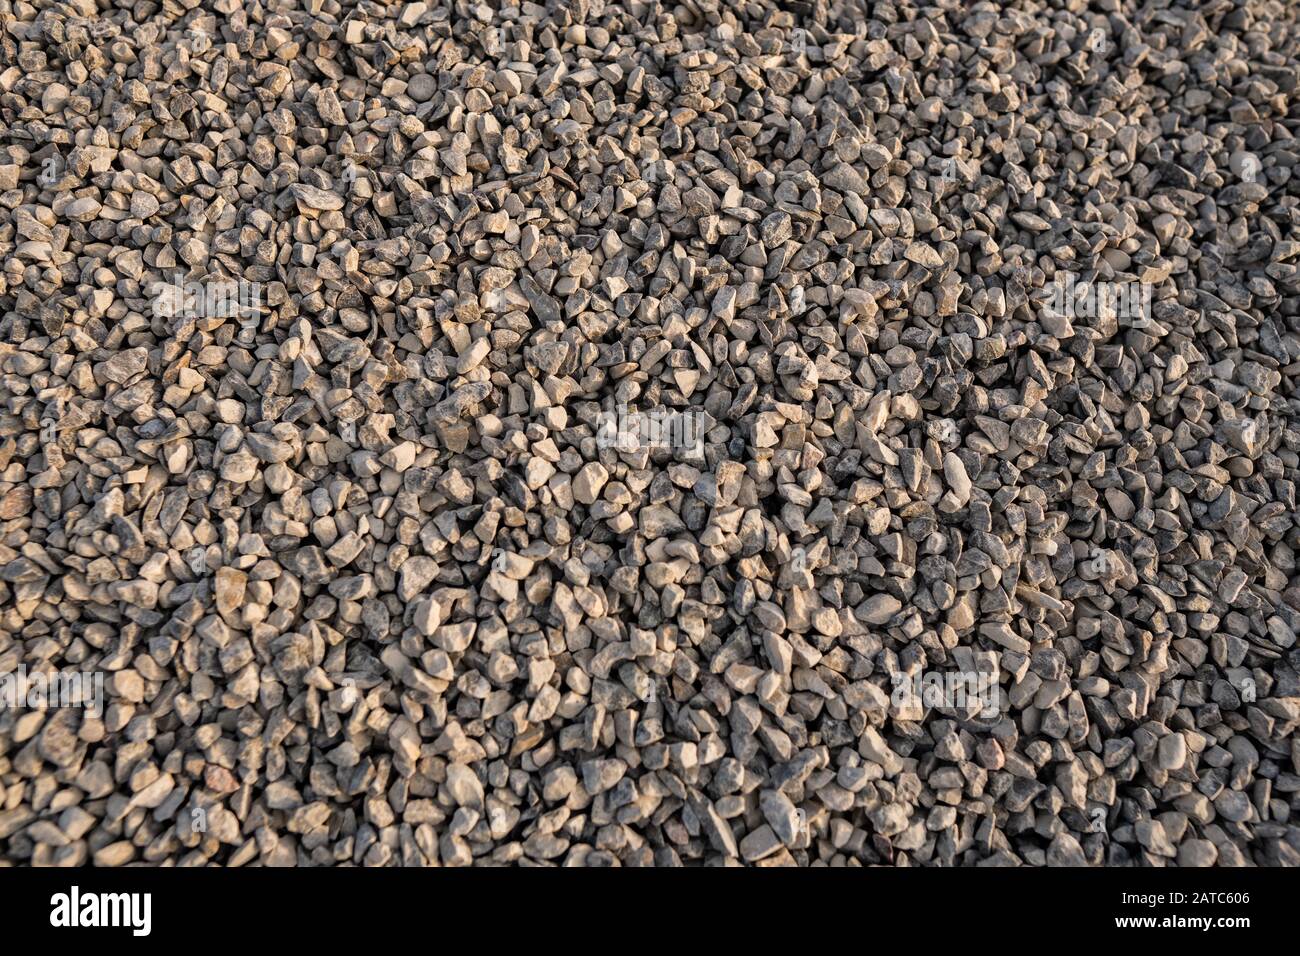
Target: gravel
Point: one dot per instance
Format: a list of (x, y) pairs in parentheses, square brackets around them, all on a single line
[(569, 435)]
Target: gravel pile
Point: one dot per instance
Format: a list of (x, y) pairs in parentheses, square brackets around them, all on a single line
[(820, 433)]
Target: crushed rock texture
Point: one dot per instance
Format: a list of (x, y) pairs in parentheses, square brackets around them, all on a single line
[(476, 434)]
